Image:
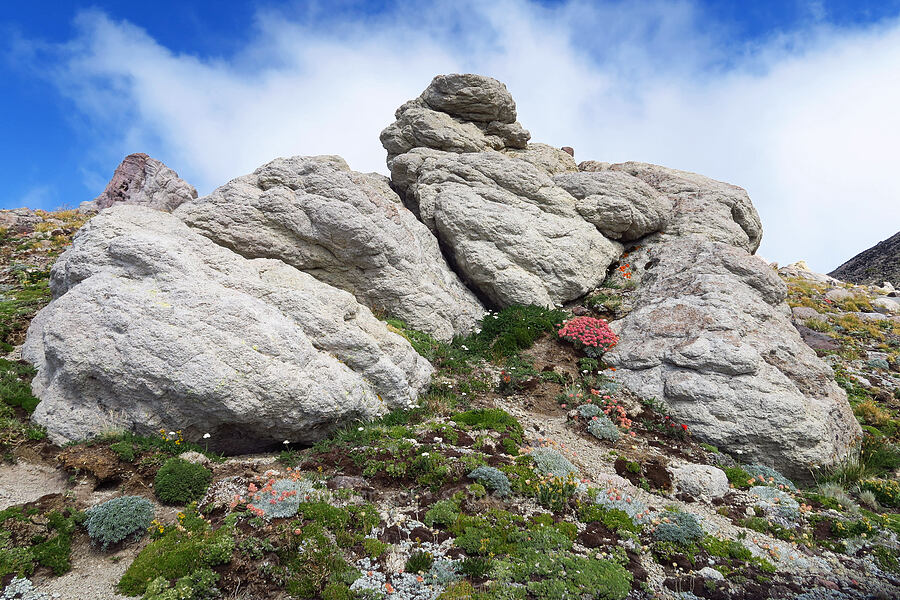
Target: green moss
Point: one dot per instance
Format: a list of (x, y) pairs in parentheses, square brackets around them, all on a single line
[(738, 477), (726, 548), (51, 547), (515, 328), (177, 554), (124, 450), (613, 519), (15, 385)]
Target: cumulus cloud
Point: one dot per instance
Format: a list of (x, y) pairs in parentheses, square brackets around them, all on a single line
[(806, 121)]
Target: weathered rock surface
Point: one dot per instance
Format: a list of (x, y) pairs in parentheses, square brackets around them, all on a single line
[(699, 481), (712, 209), (456, 113), (710, 336), (511, 232), (552, 161), (805, 313), (838, 295), (345, 228), (153, 326), (619, 205), (140, 179)]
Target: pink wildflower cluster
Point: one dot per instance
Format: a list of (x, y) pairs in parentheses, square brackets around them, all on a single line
[(590, 333), (264, 493), (613, 410)]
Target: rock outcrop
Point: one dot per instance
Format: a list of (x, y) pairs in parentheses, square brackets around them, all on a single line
[(238, 320), (153, 326), (462, 164), (347, 229), (878, 264), (143, 180)]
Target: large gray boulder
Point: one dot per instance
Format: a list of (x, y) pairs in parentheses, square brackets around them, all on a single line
[(711, 337), (620, 205), (153, 326), (456, 113), (347, 229), (140, 179), (511, 232), (712, 209)]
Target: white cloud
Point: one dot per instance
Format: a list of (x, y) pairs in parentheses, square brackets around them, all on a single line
[(806, 122)]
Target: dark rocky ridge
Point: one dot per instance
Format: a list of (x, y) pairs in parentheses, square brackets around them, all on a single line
[(874, 266)]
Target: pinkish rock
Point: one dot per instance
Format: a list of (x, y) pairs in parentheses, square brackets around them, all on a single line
[(140, 179)]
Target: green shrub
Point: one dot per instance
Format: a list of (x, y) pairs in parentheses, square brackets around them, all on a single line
[(113, 521), (179, 481)]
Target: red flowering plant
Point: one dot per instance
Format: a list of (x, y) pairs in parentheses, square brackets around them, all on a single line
[(589, 334)]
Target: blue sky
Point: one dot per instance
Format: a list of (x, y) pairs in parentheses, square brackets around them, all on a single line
[(795, 101)]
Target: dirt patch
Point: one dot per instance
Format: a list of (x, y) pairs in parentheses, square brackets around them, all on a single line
[(99, 461), (548, 355), (94, 573)]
